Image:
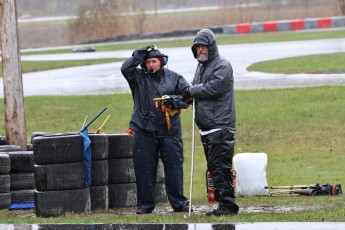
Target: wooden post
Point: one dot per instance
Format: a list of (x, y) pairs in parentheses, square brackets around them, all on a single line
[(12, 76)]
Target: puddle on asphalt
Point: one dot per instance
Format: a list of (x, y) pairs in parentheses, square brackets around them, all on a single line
[(225, 226)]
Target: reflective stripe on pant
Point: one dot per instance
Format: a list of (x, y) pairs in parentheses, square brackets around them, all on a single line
[(219, 151)]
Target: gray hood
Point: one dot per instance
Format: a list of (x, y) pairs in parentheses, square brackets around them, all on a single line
[(206, 37)]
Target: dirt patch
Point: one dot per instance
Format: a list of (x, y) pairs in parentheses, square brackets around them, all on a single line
[(197, 210), (202, 209)]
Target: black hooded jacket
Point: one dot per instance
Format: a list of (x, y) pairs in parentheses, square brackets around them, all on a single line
[(213, 87), (147, 116)]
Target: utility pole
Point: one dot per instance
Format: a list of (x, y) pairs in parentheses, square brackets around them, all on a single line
[(12, 76)]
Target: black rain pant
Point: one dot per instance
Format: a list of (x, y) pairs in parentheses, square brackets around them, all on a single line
[(219, 151)]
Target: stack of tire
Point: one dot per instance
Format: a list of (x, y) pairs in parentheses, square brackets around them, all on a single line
[(99, 191), (5, 166), (22, 184), (121, 183), (60, 175)]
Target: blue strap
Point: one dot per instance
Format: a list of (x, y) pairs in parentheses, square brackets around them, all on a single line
[(87, 155)]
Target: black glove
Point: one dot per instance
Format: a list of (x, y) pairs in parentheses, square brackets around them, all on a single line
[(186, 96), (150, 48), (168, 101), (142, 52)]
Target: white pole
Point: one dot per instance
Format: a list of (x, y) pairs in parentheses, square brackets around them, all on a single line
[(84, 122), (192, 162)]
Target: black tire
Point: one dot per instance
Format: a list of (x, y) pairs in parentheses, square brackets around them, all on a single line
[(3, 140), (56, 203), (60, 176), (121, 171), (5, 200), (21, 161), (38, 134), (99, 146), (20, 181), (5, 183), (99, 197), (120, 146), (49, 134), (22, 196), (5, 163), (122, 195), (160, 193), (10, 148), (58, 149), (99, 173), (29, 147)]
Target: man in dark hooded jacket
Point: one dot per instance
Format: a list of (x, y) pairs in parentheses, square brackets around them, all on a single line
[(213, 91), (152, 136)]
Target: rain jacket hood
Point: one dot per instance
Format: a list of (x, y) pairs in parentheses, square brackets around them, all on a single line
[(213, 87), (206, 37)]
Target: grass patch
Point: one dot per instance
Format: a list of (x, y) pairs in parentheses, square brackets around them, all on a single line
[(32, 66), (301, 130), (321, 63)]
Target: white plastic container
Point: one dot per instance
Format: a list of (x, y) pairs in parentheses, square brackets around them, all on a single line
[(250, 174)]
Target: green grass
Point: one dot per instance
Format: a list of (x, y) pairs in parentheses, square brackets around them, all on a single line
[(31, 66), (321, 63), (301, 130)]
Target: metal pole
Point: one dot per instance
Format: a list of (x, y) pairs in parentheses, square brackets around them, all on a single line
[(290, 186), (192, 161), (93, 120)]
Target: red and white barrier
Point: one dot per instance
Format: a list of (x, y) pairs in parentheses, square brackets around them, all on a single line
[(286, 25)]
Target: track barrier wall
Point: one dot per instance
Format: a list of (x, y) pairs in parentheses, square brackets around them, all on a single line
[(285, 25), (242, 28)]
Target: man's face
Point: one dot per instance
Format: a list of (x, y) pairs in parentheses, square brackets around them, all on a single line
[(153, 65), (202, 52)]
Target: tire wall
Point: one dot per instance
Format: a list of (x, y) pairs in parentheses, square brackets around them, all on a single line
[(60, 175), (22, 183), (5, 166)]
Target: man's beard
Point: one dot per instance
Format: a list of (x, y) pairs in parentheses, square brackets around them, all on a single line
[(202, 58)]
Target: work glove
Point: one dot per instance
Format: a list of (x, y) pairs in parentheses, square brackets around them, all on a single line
[(168, 101), (186, 96), (150, 48), (140, 52)]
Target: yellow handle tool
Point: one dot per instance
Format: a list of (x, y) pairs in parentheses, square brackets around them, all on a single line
[(101, 127)]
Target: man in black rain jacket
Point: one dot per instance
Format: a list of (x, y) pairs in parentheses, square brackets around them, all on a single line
[(213, 90), (152, 137)]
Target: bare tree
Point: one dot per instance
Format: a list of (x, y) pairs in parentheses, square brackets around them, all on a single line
[(98, 19), (15, 123)]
